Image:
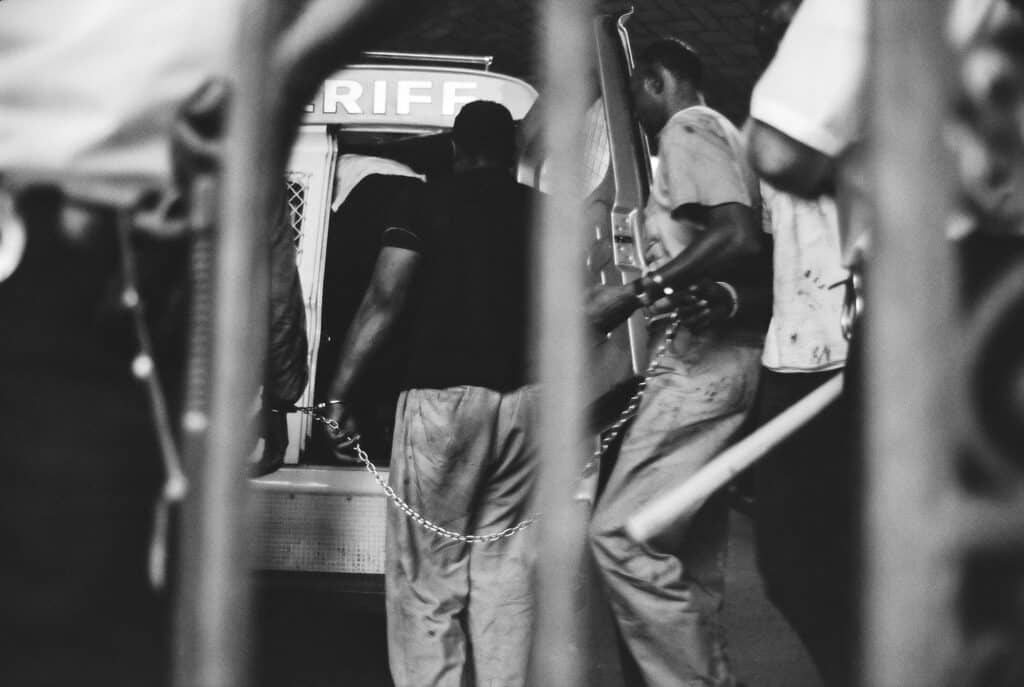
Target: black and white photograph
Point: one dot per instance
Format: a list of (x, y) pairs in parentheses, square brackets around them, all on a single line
[(512, 343)]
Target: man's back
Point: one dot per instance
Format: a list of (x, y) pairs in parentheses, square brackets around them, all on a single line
[(472, 295)]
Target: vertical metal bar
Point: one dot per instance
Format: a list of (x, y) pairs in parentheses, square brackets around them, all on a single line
[(213, 620), (559, 253), (909, 573)]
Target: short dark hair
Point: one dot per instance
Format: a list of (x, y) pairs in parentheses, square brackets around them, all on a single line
[(486, 128), (678, 58)]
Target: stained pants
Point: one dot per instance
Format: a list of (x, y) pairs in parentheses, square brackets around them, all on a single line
[(667, 595), (461, 614)]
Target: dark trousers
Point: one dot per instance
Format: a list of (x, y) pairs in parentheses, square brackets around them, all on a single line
[(80, 469), (807, 524)]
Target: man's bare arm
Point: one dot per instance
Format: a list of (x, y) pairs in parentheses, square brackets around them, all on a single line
[(382, 306), (786, 163), (733, 234)]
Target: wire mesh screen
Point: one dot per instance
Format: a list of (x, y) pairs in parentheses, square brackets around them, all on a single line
[(597, 153), (596, 148), (297, 189)]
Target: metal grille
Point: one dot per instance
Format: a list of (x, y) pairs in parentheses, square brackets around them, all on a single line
[(597, 153), (297, 188), (596, 149), (320, 532)]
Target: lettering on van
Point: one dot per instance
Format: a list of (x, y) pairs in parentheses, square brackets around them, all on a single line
[(394, 97)]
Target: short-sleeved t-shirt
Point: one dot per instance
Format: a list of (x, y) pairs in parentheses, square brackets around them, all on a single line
[(471, 295), (805, 333), (701, 162), (814, 91), (355, 235)]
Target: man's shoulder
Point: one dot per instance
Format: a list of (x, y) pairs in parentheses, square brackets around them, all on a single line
[(699, 124)]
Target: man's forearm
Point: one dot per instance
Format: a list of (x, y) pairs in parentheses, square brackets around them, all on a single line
[(369, 332), (709, 253)]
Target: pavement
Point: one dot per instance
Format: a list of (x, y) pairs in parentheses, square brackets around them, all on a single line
[(309, 635)]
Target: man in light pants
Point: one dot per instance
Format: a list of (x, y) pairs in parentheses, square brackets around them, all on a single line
[(702, 217), (463, 452)]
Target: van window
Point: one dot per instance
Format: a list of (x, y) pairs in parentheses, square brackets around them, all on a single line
[(596, 150)]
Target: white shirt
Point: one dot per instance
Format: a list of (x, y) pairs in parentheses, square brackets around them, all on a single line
[(701, 161), (804, 334), (815, 90), (90, 86), (354, 168)]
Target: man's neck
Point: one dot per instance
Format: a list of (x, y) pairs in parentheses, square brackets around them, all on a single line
[(684, 102)]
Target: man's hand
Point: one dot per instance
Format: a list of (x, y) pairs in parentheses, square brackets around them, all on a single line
[(609, 306), (701, 305), (343, 439)]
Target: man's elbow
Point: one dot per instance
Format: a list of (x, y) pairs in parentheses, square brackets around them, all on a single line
[(745, 244), (785, 163)]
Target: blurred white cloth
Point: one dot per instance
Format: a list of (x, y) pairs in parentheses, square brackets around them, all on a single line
[(90, 86), (815, 91), (969, 18), (352, 169)]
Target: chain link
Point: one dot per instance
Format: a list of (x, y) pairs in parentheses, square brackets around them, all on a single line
[(606, 440), (613, 433), (411, 512)]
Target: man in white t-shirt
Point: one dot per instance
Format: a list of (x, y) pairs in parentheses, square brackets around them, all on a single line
[(701, 217), (807, 113), (808, 117)]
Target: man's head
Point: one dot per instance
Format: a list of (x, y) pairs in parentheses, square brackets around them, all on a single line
[(484, 135), (667, 79)]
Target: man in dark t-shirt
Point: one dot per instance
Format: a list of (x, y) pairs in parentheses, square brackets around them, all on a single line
[(463, 450)]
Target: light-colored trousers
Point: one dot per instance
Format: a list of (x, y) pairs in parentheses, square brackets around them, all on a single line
[(461, 614), (667, 595)]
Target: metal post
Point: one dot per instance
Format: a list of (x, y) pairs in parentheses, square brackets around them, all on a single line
[(213, 620), (562, 344), (910, 325)]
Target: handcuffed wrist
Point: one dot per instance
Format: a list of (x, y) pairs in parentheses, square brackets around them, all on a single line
[(734, 296), (641, 294), (659, 281), (329, 403)]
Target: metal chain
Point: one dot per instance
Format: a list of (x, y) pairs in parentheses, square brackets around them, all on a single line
[(411, 512), (606, 441), (613, 433)]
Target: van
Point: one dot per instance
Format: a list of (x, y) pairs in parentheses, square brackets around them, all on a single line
[(327, 520)]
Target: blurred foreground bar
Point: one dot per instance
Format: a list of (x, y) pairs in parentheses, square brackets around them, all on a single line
[(909, 626), (559, 645)]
